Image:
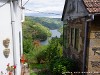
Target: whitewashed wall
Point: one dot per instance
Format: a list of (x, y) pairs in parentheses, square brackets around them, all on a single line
[(6, 32)]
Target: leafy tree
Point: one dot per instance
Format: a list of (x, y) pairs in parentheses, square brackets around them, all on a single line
[(60, 30), (27, 45), (35, 30)]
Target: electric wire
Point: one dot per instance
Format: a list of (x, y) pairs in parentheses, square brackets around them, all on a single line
[(22, 7), (4, 4), (25, 3)]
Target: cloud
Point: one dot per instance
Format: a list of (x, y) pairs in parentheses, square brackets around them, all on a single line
[(47, 6)]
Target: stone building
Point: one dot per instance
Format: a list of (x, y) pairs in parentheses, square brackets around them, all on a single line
[(81, 19)]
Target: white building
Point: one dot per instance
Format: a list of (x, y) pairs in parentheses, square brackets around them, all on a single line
[(10, 36)]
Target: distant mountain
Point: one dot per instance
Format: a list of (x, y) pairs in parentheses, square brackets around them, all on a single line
[(44, 15), (51, 23)]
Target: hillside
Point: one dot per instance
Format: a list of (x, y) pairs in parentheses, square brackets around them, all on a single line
[(35, 30), (51, 23)]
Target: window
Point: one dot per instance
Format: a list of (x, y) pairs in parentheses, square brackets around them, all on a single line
[(20, 42), (76, 43), (72, 36), (75, 38), (65, 36)]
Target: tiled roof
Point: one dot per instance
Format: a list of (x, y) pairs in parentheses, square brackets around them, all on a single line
[(93, 6)]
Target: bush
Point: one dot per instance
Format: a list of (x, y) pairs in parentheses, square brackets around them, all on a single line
[(41, 57), (27, 45), (37, 55), (59, 69), (60, 65), (54, 49)]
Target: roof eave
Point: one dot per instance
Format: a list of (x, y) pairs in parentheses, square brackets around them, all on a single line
[(85, 7), (4, 1), (64, 10)]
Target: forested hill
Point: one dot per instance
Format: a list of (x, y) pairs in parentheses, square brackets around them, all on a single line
[(51, 23), (34, 30)]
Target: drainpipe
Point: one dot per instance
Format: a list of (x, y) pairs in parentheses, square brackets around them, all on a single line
[(85, 43), (85, 47), (14, 22), (13, 30)]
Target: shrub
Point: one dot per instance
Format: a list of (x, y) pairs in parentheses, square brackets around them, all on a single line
[(27, 45), (37, 55), (60, 65), (54, 49), (41, 57), (59, 69)]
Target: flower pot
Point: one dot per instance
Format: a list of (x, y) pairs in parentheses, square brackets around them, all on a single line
[(6, 52), (6, 42)]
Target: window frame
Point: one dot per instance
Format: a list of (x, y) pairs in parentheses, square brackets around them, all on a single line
[(76, 42), (74, 36)]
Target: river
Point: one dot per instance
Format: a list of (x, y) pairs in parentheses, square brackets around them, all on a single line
[(54, 34)]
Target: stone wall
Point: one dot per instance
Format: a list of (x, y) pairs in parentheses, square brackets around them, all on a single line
[(94, 48), (93, 44), (70, 50)]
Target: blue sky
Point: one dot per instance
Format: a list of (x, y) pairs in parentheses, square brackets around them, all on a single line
[(46, 6)]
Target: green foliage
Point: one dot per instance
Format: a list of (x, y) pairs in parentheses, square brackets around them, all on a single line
[(27, 45), (35, 30), (41, 55), (61, 40), (54, 48), (33, 73), (60, 30), (37, 55), (27, 41), (30, 57), (61, 65), (59, 69), (39, 66), (40, 32), (51, 23), (58, 64)]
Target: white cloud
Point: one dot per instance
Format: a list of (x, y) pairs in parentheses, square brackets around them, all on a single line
[(48, 6)]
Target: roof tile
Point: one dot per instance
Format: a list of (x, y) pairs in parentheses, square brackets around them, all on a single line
[(93, 6)]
